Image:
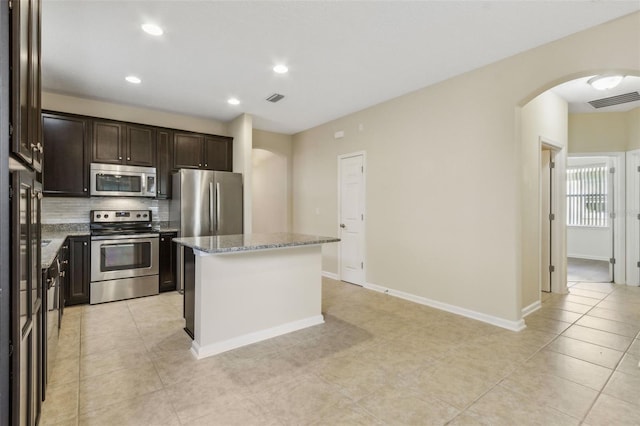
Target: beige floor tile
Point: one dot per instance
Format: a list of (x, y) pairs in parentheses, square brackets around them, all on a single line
[(574, 298), (401, 406), (295, 401), (65, 370), (586, 351), (587, 293), (630, 364), (355, 378), (61, 405), (625, 387), (635, 348), (259, 369), (621, 328), (608, 411), (537, 322), (570, 368), (558, 314), (176, 367), (597, 287), (109, 361), (469, 418), (202, 395), (235, 409), (598, 337), (119, 386), (569, 306), (457, 385), (108, 341), (501, 406), (553, 391), (112, 324), (632, 318), (346, 413), (152, 409)]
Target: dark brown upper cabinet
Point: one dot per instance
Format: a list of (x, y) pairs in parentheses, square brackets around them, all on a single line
[(119, 143), (198, 151), (163, 163), (26, 135), (218, 153), (66, 154)]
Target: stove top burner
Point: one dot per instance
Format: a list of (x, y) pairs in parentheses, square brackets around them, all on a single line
[(121, 222)]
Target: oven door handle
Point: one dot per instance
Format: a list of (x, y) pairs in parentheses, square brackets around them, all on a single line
[(123, 237), (120, 245)]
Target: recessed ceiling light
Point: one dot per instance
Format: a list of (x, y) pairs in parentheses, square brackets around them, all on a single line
[(152, 29), (281, 69), (233, 101), (605, 82), (133, 79)]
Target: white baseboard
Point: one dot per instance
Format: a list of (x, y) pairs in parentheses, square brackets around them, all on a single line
[(226, 345), (330, 275), (531, 308), (490, 319)]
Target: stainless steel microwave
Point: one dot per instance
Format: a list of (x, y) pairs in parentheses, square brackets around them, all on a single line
[(122, 181)]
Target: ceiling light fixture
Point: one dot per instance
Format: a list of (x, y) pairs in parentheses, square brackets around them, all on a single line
[(281, 69), (133, 79), (233, 101), (605, 82), (152, 29)]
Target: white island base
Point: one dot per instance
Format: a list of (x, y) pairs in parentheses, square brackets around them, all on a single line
[(245, 297)]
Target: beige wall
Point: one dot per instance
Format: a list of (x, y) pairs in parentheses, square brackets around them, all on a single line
[(633, 129), (94, 108), (271, 181), (545, 117), (241, 130), (598, 132), (444, 174)]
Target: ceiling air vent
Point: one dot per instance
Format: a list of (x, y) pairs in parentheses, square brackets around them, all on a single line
[(275, 97), (615, 100)]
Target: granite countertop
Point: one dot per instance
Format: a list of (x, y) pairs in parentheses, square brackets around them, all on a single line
[(54, 236), (251, 242)]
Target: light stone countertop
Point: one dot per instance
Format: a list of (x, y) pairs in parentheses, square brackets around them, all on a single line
[(56, 237), (251, 242)]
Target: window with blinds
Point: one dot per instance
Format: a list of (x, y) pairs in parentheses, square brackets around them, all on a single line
[(587, 196)]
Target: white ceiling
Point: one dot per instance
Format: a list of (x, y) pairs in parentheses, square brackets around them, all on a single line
[(578, 93), (343, 56)]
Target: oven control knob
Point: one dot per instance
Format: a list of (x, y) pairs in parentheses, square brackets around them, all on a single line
[(106, 216), (98, 216), (144, 215), (138, 215)]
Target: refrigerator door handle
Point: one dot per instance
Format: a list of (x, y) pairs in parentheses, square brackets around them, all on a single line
[(218, 195), (211, 216)]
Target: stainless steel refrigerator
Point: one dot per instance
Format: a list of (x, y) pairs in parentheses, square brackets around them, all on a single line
[(205, 202)]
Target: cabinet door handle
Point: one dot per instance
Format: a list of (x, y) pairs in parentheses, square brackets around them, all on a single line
[(199, 164), (85, 189), (84, 243), (128, 158), (161, 239), (205, 164), (119, 158)]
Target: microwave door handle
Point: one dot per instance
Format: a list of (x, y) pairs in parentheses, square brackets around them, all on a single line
[(218, 217), (143, 184), (211, 207)]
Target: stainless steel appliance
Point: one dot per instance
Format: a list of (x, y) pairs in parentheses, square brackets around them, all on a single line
[(205, 202), (122, 181), (52, 321), (124, 255)]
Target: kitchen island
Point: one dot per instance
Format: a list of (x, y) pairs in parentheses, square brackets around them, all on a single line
[(242, 289)]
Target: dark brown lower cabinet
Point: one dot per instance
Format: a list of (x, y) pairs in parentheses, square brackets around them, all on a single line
[(167, 263), (77, 284), (189, 290)]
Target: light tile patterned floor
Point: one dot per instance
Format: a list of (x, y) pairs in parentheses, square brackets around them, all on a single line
[(377, 360)]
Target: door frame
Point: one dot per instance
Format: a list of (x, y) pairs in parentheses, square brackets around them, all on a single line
[(363, 154), (558, 227), (633, 225), (620, 164)]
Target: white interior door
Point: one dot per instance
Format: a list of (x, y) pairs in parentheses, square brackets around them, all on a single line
[(545, 220), (351, 220)]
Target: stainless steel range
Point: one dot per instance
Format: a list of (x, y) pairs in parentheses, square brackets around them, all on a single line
[(124, 255)]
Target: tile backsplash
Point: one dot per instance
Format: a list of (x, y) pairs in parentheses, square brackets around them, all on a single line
[(76, 210)]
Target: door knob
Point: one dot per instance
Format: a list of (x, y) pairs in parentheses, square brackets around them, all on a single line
[(342, 225)]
